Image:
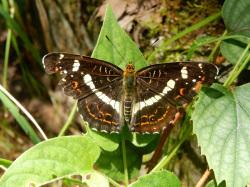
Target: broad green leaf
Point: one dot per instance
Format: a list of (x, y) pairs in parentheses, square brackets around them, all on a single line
[(108, 142), (236, 16), (157, 179), (52, 160), (94, 179), (115, 46), (24, 124), (232, 49), (221, 122), (111, 163)]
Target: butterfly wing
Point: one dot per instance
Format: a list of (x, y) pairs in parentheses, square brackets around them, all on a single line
[(162, 88), (92, 82)]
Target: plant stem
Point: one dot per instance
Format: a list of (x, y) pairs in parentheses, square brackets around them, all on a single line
[(240, 65), (184, 32), (165, 160), (124, 160), (69, 120), (6, 58), (114, 183), (217, 45), (18, 104)]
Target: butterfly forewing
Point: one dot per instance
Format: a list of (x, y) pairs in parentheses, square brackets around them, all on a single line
[(93, 83), (177, 82)]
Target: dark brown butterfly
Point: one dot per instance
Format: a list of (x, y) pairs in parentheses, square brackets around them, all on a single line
[(146, 100)]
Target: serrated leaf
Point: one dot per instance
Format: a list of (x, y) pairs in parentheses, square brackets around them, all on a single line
[(111, 163), (232, 49), (115, 46), (157, 179), (51, 160), (221, 123), (236, 16)]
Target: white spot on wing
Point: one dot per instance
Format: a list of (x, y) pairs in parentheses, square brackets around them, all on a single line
[(170, 86), (65, 71), (114, 104), (184, 72), (61, 56), (76, 65)]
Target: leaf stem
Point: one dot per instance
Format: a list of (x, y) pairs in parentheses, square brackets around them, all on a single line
[(124, 160), (240, 65), (165, 160), (215, 49), (6, 58), (18, 104), (184, 32), (114, 183), (69, 120)]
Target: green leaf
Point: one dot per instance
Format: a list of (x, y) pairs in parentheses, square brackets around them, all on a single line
[(111, 163), (212, 183), (232, 49), (5, 163), (51, 160), (221, 122), (24, 124), (115, 46), (236, 16), (157, 179), (108, 142)]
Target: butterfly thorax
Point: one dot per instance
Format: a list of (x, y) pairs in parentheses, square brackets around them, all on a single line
[(128, 91)]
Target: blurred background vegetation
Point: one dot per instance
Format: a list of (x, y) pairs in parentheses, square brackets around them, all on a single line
[(30, 29)]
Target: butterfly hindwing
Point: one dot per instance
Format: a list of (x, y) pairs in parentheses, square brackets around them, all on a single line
[(151, 112), (100, 111)]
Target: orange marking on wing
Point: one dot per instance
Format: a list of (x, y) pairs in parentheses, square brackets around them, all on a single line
[(182, 91), (74, 84), (197, 86)]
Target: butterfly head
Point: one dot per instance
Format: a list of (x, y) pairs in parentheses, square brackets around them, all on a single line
[(130, 68)]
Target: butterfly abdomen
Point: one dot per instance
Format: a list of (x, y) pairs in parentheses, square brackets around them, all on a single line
[(128, 91)]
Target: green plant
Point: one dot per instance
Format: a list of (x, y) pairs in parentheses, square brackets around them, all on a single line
[(220, 117)]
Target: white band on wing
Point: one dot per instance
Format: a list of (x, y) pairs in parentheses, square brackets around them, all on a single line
[(102, 96)]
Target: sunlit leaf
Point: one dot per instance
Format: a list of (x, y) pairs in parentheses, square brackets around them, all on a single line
[(52, 160), (221, 122)]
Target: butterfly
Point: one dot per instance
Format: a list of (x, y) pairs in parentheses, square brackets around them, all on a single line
[(146, 100)]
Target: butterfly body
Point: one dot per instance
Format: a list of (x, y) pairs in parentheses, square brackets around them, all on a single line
[(146, 100)]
